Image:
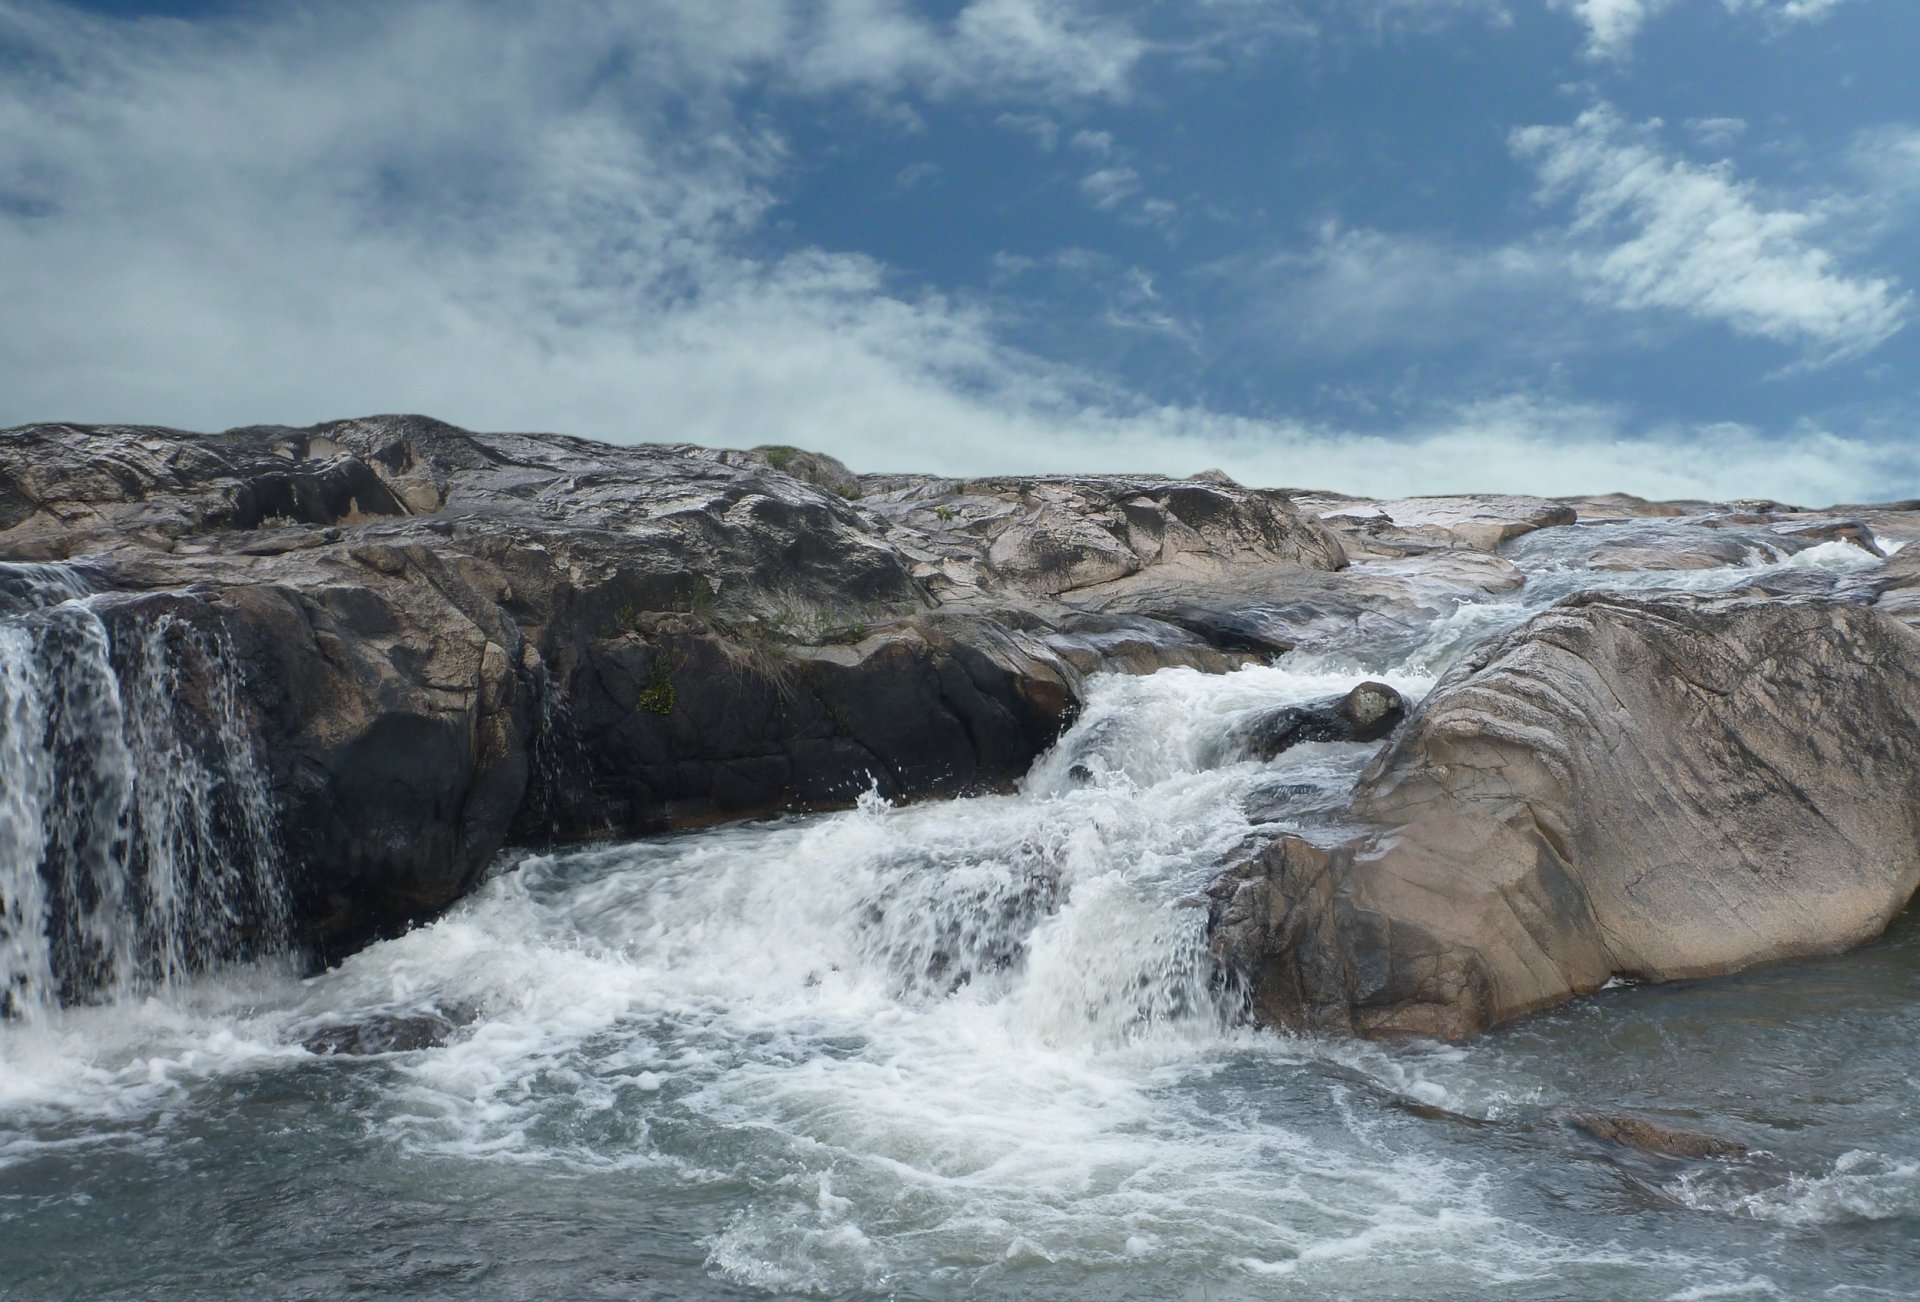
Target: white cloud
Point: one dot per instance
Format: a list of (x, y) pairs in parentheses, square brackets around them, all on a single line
[(1652, 231), (1109, 186), (1612, 24), (1717, 133)]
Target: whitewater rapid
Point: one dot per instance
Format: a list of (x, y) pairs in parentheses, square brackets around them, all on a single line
[(971, 1048)]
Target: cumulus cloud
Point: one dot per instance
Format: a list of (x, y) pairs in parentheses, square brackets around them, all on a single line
[(1652, 231)]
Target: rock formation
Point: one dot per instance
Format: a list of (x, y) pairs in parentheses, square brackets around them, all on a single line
[(451, 639), (1658, 788)]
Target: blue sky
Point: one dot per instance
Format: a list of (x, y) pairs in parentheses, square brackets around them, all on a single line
[(1384, 246)]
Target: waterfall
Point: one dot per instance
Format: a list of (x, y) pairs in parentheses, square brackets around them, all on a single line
[(136, 836)]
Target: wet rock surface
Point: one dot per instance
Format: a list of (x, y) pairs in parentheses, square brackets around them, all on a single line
[(1369, 712), (451, 640)]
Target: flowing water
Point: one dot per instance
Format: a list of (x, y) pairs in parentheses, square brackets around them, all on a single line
[(968, 1049)]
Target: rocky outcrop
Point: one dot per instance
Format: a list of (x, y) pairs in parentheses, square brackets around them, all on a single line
[(451, 639), (1659, 788)]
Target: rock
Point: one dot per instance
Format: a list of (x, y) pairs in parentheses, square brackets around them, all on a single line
[(1659, 788), (1092, 535), (816, 468), (1898, 586), (390, 1032), (1369, 712), (1852, 532), (1625, 506), (1434, 1112), (1136, 645), (1646, 1137), (444, 638)]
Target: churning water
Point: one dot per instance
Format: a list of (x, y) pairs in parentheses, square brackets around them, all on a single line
[(969, 1049)]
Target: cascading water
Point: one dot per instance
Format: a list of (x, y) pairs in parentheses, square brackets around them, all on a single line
[(965, 1049), (136, 837)]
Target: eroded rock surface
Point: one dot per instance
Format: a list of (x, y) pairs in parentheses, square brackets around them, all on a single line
[(1661, 788)]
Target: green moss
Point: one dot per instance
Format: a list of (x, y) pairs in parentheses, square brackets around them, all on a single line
[(658, 696), (778, 455)]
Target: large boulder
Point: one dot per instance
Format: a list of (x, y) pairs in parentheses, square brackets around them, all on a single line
[(1653, 788)]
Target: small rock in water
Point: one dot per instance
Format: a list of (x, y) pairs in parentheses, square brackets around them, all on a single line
[(1367, 713), (1433, 1112), (1638, 1133), (390, 1032)]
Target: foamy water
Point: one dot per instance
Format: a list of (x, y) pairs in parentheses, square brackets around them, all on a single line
[(968, 1049)]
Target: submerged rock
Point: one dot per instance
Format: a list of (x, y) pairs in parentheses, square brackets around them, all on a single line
[(390, 1032), (1646, 1137), (1659, 788)]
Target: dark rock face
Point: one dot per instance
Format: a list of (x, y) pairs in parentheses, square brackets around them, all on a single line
[(1660, 788), (450, 639)]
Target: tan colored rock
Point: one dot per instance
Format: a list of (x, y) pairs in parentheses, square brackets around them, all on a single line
[(1660, 788)]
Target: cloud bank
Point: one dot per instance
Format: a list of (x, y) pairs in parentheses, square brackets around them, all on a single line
[(559, 218)]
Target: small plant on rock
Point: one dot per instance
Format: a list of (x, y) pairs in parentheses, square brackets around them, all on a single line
[(658, 696)]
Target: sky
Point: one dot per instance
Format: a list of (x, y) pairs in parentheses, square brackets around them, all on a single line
[(1376, 246)]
